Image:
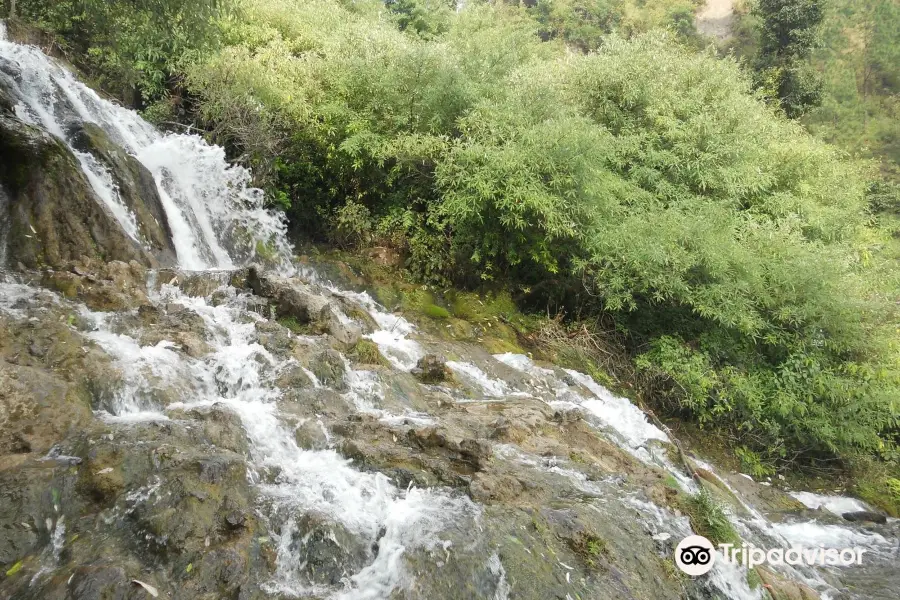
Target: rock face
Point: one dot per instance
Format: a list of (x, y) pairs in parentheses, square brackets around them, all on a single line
[(136, 187), (49, 213), (305, 304)]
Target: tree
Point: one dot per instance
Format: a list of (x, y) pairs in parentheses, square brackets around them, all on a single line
[(788, 33)]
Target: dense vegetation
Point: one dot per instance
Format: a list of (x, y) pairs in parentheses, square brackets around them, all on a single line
[(644, 181)]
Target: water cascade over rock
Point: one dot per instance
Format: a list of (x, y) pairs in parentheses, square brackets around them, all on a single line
[(184, 411)]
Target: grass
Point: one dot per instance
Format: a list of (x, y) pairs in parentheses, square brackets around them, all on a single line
[(293, 324), (589, 547), (708, 518), (366, 352)]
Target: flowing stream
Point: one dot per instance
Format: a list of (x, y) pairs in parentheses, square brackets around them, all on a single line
[(218, 220)]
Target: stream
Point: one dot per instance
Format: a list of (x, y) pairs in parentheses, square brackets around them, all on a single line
[(352, 492)]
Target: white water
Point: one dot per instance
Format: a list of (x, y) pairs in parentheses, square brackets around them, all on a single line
[(218, 220), (618, 414), (837, 505), (215, 215), (392, 337), (238, 374), (491, 386)]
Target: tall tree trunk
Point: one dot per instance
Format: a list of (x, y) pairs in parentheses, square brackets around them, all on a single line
[(12, 9)]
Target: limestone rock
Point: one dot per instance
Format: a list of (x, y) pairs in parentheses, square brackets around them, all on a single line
[(301, 301), (136, 186)]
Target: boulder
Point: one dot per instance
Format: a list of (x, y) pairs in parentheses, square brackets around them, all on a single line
[(49, 213), (432, 368), (865, 516), (295, 299)]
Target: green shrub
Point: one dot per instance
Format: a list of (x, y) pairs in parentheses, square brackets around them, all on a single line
[(645, 182), (126, 44)]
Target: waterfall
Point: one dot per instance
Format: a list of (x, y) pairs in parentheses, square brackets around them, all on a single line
[(218, 220)]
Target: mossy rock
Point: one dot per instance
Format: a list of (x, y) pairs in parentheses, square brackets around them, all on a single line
[(366, 352)]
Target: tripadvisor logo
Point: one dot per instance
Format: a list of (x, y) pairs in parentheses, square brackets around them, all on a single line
[(696, 555)]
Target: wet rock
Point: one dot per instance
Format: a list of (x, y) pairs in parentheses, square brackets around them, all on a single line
[(432, 368), (296, 299), (325, 551), (865, 516), (182, 494), (293, 378), (311, 435), (52, 212), (136, 188), (37, 409), (471, 451), (274, 337), (112, 286), (780, 588), (329, 368), (101, 478), (102, 582), (488, 487)]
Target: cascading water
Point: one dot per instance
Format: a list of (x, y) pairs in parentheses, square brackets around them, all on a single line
[(218, 221)]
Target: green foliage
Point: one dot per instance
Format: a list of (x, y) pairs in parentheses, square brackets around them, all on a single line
[(858, 62), (366, 352), (788, 33), (127, 44), (708, 518), (753, 464), (643, 180)]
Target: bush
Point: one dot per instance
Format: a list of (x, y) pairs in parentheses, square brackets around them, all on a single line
[(644, 182), (131, 47)]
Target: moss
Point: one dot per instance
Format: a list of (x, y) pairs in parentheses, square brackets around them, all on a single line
[(476, 308), (499, 346), (753, 579), (589, 547), (293, 324), (435, 312), (881, 491), (366, 352), (672, 483), (671, 571)]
